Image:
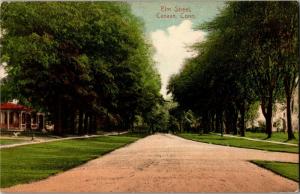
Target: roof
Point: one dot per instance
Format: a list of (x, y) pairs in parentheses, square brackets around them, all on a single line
[(12, 106)]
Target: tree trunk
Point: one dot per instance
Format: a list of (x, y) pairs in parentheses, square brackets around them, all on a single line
[(80, 126), (269, 118), (234, 124), (242, 120), (221, 124), (267, 112), (65, 121), (227, 121), (235, 120), (180, 125), (93, 123), (218, 122), (85, 123), (72, 122), (231, 120), (289, 118), (58, 118), (205, 123), (269, 125), (213, 123), (89, 124)]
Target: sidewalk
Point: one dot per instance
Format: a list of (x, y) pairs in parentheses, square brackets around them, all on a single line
[(59, 139), (252, 139)]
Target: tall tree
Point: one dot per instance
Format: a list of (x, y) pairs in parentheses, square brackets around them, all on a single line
[(287, 16), (266, 36), (69, 57), (249, 52)]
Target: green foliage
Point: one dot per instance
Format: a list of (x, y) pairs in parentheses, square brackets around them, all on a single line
[(158, 119), (70, 58), (243, 59), (252, 112), (40, 161), (6, 90), (285, 169), (239, 142)]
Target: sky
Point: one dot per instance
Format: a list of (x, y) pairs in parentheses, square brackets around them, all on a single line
[(2, 71), (170, 26)]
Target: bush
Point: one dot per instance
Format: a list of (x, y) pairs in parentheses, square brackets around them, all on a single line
[(256, 130)]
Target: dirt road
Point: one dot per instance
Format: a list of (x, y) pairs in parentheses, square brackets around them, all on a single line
[(166, 163)]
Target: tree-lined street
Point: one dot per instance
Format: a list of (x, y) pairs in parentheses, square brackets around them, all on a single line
[(75, 70)]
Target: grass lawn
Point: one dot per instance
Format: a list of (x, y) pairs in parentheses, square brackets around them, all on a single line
[(10, 141), (285, 169), (238, 142), (276, 136), (28, 163)]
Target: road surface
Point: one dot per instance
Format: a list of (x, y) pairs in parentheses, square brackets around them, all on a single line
[(167, 163)]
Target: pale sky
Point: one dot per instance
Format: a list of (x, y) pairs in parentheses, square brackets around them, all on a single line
[(2, 71), (171, 47), (171, 37)]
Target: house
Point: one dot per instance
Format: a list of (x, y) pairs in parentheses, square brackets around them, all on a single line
[(16, 117), (279, 119)]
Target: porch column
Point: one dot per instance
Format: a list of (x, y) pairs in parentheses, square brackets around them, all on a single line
[(20, 120), (2, 117), (44, 126), (8, 113)]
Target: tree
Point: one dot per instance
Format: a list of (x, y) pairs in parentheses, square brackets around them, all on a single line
[(269, 38), (215, 72), (158, 119), (89, 65), (245, 57), (287, 15)]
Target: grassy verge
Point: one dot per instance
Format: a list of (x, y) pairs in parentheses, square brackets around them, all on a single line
[(276, 136), (285, 169), (28, 163), (10, 141), (238, 142)]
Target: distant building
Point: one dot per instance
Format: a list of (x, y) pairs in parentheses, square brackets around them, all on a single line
[(279, 118), (16, 117)]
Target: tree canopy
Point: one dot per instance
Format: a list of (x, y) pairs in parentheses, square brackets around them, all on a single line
[(79, 61), (245, 57)]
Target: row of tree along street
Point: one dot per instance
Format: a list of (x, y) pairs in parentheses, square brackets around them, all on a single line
[(250, 55), (87, 64)]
